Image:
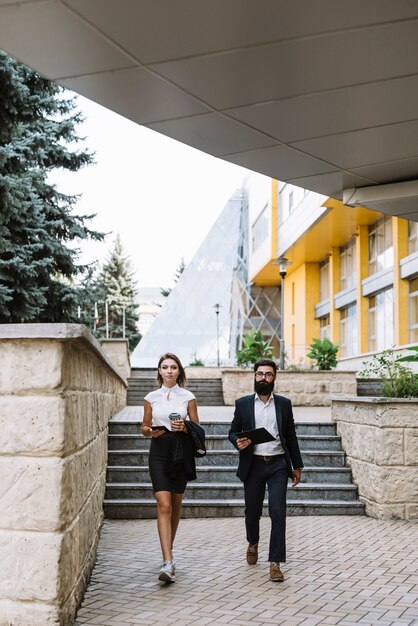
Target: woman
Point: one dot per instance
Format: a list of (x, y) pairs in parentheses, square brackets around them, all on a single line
[(171, 397)]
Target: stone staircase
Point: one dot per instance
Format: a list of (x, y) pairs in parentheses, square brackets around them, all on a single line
[(326, 487), (208, 391)]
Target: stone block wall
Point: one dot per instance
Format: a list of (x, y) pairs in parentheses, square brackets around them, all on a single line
[(194, 371), (380, 438), (304, 388), (57, 393), (117, 351)]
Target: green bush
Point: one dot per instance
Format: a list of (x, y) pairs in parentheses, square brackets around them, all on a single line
[(254, 348), (196, 362), (324, 352), (398, 381), (410, 358)]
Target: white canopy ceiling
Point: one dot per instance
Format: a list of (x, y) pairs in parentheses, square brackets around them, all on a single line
[(322, 94)]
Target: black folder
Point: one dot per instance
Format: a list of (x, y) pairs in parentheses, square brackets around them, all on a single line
[(258, 435)]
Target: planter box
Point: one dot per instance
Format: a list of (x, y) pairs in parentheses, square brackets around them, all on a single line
[(380, 438), (304, 388), (369, 387)]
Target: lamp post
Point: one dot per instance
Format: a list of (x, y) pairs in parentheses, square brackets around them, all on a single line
[(217, 308), (107, 318), (282, 262)]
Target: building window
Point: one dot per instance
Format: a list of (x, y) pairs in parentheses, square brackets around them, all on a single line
[(288, 199), (324, 328), (348, 331), (381, 320), (324, 281), (380, 245), (348, 274), (413, 310), (412, 237), (260, 229)]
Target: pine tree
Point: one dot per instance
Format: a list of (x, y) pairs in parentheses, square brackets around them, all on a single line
[(179, 271), (116, 285), (87, 299), (37, 135)]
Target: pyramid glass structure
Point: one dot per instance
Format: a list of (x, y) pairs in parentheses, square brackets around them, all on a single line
[(187, 324)]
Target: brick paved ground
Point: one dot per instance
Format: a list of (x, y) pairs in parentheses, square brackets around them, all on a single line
[(340, 570)]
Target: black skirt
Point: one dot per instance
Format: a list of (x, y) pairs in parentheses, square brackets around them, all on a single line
[(158, 454)]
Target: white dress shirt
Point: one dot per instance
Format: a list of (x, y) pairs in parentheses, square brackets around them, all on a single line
[(265, 416), (166, 400)]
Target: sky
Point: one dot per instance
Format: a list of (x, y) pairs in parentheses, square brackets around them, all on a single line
[(161, 196)]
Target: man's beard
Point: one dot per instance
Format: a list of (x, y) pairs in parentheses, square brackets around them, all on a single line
[(263, 388)]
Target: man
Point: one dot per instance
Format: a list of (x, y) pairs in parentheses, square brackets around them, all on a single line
[(270, 463)]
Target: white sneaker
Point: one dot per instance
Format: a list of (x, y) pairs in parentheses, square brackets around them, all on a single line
[(167, 573)]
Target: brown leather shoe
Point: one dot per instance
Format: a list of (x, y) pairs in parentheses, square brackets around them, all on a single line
[(276, 575), (252, 553)]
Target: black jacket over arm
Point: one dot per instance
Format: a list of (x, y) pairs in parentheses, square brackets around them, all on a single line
[(244, 419)]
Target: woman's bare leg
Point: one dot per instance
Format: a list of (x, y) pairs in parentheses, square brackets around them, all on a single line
[(176, 500), (164, 524)]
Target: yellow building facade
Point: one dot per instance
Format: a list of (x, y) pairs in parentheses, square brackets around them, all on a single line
[(352, 273)]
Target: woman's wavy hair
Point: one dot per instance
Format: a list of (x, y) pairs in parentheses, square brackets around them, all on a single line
[(181, 380)]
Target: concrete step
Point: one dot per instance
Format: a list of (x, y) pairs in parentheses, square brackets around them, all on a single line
[(319, 442), (208, 392), (221, 442), (222, 474), (222, 428), (231, 491), (316, 458), (146, 509), (326, 487), (131, 427), (316, 428), (144, 372)]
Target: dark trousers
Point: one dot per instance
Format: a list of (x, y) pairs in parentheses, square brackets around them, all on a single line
[(274, 474)]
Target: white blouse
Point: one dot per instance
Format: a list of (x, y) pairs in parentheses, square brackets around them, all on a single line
[(166, 400)]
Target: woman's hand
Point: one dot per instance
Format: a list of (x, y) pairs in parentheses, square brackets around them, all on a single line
[(157, 433), (178, 426)]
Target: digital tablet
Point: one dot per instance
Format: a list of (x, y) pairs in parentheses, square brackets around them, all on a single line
[(258, 435)]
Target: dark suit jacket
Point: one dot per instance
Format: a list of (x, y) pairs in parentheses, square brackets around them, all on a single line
[(183, 450), (244, 419)]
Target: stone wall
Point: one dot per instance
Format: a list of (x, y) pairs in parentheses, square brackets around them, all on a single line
[(194, 371), (380, 438), (304, 388), (57, 393), (117, 351)]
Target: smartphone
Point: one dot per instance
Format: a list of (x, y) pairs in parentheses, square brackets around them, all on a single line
[(159, 428)]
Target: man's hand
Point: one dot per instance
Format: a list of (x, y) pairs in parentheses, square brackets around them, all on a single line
[(243, 442), (297, 475)]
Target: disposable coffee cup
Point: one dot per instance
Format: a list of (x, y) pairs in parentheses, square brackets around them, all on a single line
[(174, 416)]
